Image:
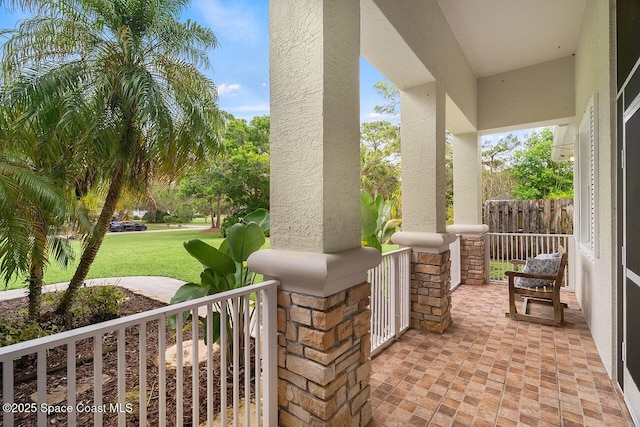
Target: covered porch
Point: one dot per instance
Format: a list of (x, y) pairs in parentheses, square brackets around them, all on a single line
[(489, 370)]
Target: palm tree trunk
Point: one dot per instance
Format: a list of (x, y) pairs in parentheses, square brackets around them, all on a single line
[(35, 291), (94, 241), (36, 269), (219, 211)]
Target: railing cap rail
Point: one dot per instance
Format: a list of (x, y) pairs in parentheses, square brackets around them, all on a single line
[(61, 338)]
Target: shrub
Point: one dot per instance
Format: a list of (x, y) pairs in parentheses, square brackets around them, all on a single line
[(154, 216), (99, 304), (228, 221)]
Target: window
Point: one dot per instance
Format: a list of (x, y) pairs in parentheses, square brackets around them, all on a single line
[(587, 194)]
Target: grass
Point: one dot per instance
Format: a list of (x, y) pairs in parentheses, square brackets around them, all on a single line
[(142, 254), (497, 269), (137, 254)]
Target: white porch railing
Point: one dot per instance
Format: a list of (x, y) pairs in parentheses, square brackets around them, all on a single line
[(390, 298), (454, 249), (136, 395), (501, 248)]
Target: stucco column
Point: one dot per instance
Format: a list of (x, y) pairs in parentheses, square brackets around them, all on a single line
[(467, 208), (423, 158), (324, 341), (467, 179), (315, 125), (424, 205)]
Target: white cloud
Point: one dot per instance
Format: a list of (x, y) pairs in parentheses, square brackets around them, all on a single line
[(264, 84), (226, 89), (235, 21)]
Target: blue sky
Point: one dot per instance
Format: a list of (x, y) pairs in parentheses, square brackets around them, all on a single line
[(240, 65)]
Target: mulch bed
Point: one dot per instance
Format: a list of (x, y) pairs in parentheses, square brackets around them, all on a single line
[(25, 370)]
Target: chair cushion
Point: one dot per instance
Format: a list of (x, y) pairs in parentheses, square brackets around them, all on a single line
[(555, 255), (539, 266)]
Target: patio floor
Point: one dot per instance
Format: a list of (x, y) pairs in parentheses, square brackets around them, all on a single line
[(488, 370)]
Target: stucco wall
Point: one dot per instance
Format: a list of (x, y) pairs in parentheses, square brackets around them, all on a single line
[(315, 137), (532, 94), (596, 276)]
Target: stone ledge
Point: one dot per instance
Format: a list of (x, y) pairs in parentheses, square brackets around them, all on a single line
[(469, 230), (315, 274), (424, 242)]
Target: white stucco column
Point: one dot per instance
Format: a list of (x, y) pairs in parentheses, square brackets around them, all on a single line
[(423, 158), (323, 313), (315, 125), (467, 179)]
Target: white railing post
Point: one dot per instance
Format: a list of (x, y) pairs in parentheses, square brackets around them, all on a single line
[(270, 399), (394, 285)]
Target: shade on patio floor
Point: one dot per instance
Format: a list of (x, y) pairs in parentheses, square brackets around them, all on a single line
[(488, 370)]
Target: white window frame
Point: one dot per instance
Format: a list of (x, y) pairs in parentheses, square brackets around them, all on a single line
[(587, 182)]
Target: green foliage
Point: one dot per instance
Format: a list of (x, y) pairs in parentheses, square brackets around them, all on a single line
[(225, 267), (229, 221), (239, 179), (391, 96), (376, 225), (94, 304), (536, 175), (379, 158), (98, 304)]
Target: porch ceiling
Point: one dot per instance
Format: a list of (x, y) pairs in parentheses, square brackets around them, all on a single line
[(503, 35)]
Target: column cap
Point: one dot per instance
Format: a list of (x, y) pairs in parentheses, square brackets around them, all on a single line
[(424, 242), (313, 273), (471, 230)]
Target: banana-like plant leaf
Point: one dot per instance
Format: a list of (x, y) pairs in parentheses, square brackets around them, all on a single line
[(389, 228), (187, 292), (260, 217), (367, 214), (215, 333), (243, 240), (210, 257)]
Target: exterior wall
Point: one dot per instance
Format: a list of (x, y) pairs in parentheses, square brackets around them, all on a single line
[(596, 274), (533, 94)]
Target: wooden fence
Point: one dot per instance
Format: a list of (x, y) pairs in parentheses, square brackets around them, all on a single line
[(529, 216)]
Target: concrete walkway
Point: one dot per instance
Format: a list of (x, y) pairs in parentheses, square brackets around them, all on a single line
[(158, 288)]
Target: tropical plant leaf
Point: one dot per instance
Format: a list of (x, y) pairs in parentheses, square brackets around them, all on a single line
[(210, 257), (243, 240), (261, 217), (215, 333), (389, 228), (187, 292), (368, 213)]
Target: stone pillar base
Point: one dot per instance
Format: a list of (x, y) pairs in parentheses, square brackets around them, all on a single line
[(324, 363), (430, 278), (472, 253), (430, 291)]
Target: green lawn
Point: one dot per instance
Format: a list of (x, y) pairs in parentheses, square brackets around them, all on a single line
[(138, 254), (142, 254)]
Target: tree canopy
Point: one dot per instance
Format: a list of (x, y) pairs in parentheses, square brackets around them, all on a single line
[(125, 77)]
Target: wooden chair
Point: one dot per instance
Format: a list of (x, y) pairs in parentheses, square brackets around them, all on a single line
[(545, 294)]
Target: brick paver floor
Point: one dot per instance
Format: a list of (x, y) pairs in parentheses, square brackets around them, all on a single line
[(488, 370)]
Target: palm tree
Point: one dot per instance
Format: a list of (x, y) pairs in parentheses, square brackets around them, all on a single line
[(132, 67), (30, 205)]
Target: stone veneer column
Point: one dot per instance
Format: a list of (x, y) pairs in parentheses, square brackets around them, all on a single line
[(324, 338), (473, 268), (430, 278)]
